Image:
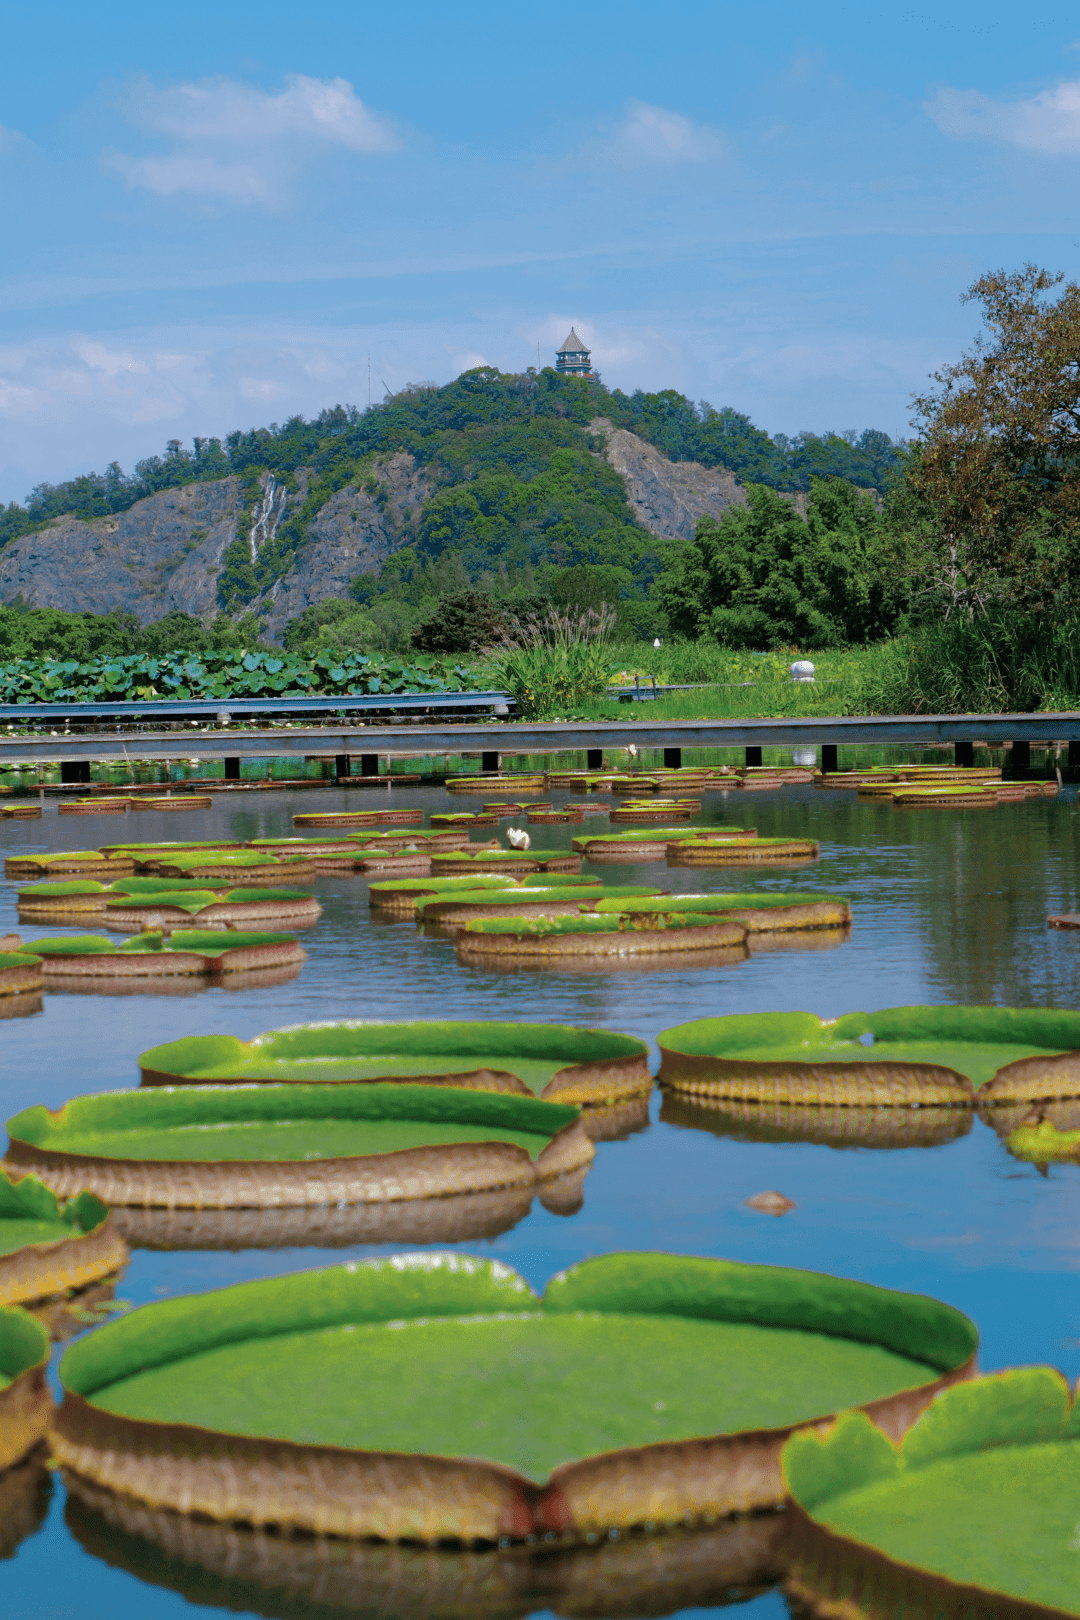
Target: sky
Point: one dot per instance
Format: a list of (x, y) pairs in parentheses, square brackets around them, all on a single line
[(214, 214)]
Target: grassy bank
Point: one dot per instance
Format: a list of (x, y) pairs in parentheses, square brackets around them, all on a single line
[(992, 670)]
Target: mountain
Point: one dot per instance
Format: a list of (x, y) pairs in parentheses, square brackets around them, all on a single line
[(511, 477)]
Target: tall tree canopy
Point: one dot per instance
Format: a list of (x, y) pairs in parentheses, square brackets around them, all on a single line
[(993, 486)]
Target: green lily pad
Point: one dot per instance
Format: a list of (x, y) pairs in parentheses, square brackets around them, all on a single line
[(877, 1517), (972, 1042), (453, 1357), (350, 1051), (24, 1344), (590, 923), (31, 1213), (61, 891), (271, 1124)]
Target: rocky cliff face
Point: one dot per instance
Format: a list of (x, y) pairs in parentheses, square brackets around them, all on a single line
[(353, 533), (166, 552), (668, 497)]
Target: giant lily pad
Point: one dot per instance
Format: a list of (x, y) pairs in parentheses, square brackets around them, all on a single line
[(21, 972), (918, 1056), (973, 1513), (647, 846), (70, 863), (289, 908), (247, 868), (451, 911), (443, 1399), (513, 861), (554, 1061), (25, 1402), (48, 1249), (762, 913), (253, 1146), (150, 955), (742, 851), (399, 896), (358, 818), (599, 938)]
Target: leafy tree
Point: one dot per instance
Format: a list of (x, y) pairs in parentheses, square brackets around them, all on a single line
[(763, 576), (992, 490), (462, 623)]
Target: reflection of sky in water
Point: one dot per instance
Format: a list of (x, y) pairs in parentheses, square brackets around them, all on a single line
[(948, 907)]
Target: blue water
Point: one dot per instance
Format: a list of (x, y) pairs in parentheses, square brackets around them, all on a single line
[(949, 907)]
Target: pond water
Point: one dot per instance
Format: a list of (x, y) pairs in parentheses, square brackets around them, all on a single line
[(950, 907)]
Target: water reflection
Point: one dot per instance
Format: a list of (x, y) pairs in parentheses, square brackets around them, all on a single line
[(289, 1577), (25, 1494), (459, 1219), (827, 1126)]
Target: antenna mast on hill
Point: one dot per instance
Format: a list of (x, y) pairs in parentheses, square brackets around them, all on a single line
[(538, 365), (369, 380)]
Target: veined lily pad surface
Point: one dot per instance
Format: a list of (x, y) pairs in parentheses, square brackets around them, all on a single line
[(548, 1060), (47, 1247), (262, 1146), (462, 1405), (936, 1055), (25, 1401), (975, 1512)]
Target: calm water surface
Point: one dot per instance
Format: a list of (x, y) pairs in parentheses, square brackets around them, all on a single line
[(949, 907)]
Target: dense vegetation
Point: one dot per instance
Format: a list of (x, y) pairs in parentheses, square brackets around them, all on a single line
[(219, 675), (765, 577)]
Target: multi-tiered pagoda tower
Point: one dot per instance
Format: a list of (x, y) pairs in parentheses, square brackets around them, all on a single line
[(573, 358)]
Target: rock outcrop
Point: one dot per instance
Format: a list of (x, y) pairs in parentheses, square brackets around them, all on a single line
[(667, 497), (353, 533), (164, 552)]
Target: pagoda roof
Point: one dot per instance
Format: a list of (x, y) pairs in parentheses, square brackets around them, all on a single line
[(572, 344)]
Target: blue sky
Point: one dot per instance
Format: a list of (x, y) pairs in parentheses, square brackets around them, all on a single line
[(214, 213)]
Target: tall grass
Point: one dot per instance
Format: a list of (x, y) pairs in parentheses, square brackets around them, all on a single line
[(555, 664)]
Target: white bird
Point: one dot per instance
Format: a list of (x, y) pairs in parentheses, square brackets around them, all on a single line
[(518, 838)]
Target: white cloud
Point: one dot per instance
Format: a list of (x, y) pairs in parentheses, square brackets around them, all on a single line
[(1048, 123), (655, 135), (234, 143)]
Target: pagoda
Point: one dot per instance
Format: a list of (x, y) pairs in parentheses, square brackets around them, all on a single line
[(573, 357)]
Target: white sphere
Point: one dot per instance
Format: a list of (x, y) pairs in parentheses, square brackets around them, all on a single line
[(802, 670)]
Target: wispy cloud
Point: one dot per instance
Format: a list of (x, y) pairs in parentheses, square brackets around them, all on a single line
[(1048, 123), (653, 135), (235, 143), (13, 142)]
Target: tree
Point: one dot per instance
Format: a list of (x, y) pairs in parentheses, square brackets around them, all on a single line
[(993, 486), (763, 576)]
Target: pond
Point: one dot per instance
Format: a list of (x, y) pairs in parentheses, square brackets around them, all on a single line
[(949, 907)]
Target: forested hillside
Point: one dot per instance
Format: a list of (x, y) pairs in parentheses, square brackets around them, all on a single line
[(497, 481)]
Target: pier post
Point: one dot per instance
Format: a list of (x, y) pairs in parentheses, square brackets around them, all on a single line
[(1021, 755), (232, 768), (753, 756), (828, 757), (369, 764), (594, 759), (673, 759), (964, 754), (489, 760), (342, 766)]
